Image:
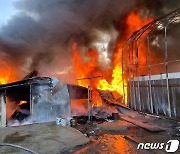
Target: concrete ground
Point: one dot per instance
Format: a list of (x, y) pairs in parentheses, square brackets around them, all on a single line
[(119, 137), (46, 138)]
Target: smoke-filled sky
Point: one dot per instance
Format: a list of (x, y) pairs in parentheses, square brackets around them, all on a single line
[(7, 10), (38, 34)]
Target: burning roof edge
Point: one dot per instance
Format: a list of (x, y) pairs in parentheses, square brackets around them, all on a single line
[(34, 80), (75, 91)]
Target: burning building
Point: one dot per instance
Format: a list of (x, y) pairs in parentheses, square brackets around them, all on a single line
[(37, 100), (100, 67), (95, 50), (151, 67)]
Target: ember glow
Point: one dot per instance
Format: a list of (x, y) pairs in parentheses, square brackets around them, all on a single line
[(22, 102), (91, 67)]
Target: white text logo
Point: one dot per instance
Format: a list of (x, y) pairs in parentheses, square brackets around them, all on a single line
[(170, 146)]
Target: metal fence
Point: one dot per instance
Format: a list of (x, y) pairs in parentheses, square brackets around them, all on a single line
[(151, 67)]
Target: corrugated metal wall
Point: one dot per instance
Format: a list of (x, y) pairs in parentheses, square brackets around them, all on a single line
[(140, 96), (150, 66)]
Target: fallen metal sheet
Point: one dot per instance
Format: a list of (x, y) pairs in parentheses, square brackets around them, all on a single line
[(147, 122), (143, 124), (108, 97)]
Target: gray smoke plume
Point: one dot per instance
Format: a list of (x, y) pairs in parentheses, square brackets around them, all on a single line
[(45, 30), (42, 32), (157, 9)]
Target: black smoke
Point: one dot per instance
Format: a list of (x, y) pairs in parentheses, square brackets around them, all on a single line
[(42, 32)]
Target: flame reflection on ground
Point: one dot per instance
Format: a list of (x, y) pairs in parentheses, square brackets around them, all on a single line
[(109, 143)]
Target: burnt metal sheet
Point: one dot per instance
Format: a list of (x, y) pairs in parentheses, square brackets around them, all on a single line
[(50, 101), (31, 75), (77, 92), (48, 97), (37, 80)]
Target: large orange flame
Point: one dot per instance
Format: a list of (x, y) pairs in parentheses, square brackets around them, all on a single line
[(86, 69), (6, 73)]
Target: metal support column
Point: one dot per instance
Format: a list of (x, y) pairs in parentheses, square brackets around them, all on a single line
[(89, 104), (123, 76), (31, 102), (129, 81), (149, 73), (90, 95), (137, 71), (134, 90), (3, 109), (166, 67)]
